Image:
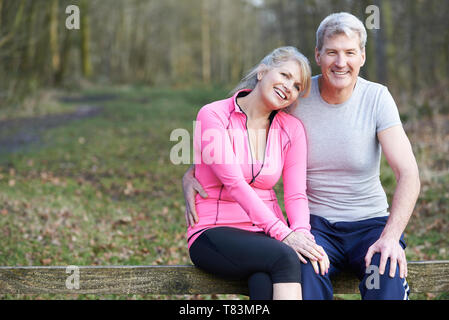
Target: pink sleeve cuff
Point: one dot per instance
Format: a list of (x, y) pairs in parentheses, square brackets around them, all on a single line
[(279, 231)]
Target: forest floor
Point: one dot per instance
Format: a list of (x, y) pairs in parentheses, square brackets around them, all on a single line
[(86, 179)]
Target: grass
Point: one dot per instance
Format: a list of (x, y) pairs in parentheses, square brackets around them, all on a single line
[(101, 190)]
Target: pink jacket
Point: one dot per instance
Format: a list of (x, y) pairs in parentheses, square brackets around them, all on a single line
[(240, 191)]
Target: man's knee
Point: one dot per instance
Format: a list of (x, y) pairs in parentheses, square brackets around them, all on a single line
[(378, 286), (374, 266), (315, 286)]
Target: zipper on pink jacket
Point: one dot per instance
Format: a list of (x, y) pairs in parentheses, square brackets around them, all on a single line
[(271, 117)]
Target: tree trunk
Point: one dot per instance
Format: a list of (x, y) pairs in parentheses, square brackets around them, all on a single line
[(1, 7), (85, 35), (380, 50), (16, 24), (205, 40), (54, 41)]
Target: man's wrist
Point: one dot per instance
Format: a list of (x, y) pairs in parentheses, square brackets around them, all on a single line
[(394, 227), (189, 173), (391, 234)]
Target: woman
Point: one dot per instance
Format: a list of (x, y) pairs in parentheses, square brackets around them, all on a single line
[(243, 144)]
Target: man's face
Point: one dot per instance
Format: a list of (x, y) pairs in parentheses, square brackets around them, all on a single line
[(340, 60)]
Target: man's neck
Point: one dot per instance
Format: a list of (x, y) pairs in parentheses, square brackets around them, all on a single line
[(332, 95)]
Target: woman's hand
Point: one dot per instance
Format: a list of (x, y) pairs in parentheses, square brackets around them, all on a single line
[(305, 246), (190, 186), (324, 263)]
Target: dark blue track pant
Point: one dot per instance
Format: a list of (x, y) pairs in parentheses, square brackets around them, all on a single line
[(346, 244)]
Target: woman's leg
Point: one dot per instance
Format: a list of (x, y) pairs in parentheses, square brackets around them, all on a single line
[(287, 291), (260, 286), (233, 253)]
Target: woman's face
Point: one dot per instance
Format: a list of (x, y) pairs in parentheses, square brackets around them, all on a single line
[(280, 86)]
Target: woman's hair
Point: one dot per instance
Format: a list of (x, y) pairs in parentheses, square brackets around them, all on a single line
[(340, 23), (275, 59)]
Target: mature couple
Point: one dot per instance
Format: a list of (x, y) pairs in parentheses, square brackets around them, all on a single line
[(324, 135)]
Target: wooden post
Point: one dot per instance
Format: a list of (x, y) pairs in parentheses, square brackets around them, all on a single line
[(425, 276)]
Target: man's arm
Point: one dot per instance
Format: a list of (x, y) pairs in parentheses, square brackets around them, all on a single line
[(190, 186), (399, 154)]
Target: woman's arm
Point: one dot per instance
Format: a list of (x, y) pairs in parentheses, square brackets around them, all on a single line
[(294, 177), (296, 203)]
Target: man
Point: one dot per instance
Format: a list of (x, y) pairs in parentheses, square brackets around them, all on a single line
[(349, 121)]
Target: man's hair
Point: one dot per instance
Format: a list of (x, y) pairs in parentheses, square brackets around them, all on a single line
[(274, 59), (340, 23)]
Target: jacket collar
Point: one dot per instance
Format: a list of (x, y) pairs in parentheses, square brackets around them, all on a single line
[(234, 99), (239, 110)]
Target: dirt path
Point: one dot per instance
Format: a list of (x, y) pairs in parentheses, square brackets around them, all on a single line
[(18, 134)]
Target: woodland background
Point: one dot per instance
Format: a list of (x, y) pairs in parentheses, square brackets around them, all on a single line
[(86, 116)]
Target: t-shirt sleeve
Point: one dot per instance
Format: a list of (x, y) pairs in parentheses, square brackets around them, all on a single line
[(227, 169), (387, 114)]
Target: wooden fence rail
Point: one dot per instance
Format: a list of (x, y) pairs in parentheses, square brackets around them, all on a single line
[(423, 276)]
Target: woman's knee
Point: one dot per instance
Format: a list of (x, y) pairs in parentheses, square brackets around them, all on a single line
[(287, 267)]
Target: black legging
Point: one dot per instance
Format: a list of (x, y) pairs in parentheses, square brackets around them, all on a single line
[(238, 254)]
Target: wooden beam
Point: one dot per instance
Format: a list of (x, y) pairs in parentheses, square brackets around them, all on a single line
[(426, 276)]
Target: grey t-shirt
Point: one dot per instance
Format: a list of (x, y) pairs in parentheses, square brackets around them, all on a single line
[(344, 153)]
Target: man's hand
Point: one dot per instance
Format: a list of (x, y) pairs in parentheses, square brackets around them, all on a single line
[(388, 248), (190, 187)]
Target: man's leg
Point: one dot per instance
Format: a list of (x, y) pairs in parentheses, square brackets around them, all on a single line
[(374, 286), (315, 286)]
